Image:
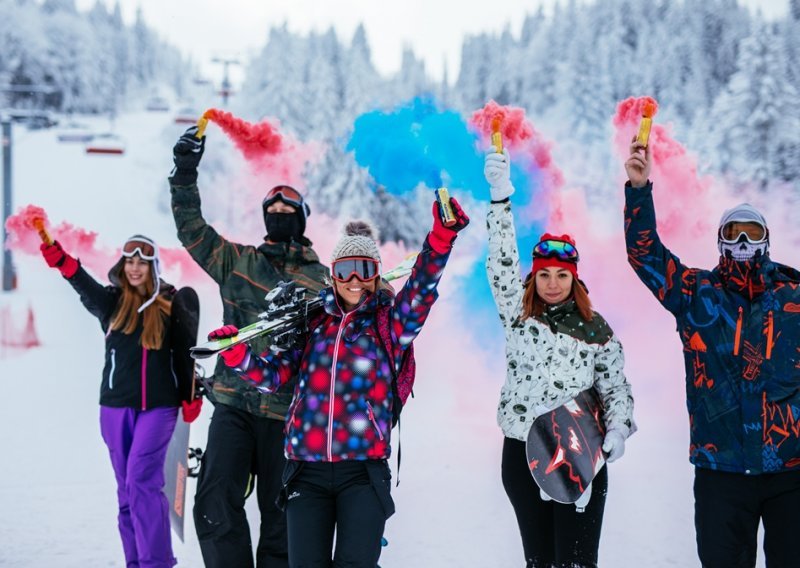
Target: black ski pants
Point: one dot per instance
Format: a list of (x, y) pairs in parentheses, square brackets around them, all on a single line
[(240, 444), (727, 511), (553, 535), (350, 498)]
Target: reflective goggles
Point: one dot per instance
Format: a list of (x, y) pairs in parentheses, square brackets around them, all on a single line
[(363, 268), (562, 250), (739, 231), (144, 248), (288, 195)]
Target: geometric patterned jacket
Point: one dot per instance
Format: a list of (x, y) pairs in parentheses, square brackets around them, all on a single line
[(553, 357), (740, 328), (342, 404)]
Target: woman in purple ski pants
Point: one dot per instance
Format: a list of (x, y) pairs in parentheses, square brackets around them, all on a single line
[(146, 378)]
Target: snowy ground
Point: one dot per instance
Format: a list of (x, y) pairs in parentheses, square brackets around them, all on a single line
[(57, 494)]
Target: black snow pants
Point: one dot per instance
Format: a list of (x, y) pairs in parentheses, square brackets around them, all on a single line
[(728, 508), (240, 444), (350, 498), (553, 535)]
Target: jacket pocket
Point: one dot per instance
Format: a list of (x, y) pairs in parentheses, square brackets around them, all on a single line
[(371, 415), (380, 477), (290, 471)]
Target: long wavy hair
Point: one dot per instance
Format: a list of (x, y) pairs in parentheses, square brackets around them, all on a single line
[(126, 317), (533, 305)]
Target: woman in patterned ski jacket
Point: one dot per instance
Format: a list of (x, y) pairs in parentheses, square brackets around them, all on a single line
[(147, 377), (339, 424), (556, 347)]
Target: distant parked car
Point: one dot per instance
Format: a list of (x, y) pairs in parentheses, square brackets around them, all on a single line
[(106, 143), (74, 132), (157, 104), (187, 115)]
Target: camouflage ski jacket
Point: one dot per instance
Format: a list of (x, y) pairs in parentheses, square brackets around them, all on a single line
[(342, 407), (740, 328), (553, 357), (244, 275)]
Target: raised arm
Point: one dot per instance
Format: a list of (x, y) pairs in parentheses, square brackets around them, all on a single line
[(215, 254), (660, 270)]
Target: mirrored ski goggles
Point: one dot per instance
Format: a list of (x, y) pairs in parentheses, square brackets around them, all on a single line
[(363, 268), (145, 249), (562, 250), (288, 195), (739, 231)]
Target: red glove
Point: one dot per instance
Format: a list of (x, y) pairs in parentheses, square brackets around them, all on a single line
[(191, 410), (441, 238), (55, 257), (234, 355)]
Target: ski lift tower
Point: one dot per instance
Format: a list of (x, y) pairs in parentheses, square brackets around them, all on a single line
[(225, 91), (9, 274)]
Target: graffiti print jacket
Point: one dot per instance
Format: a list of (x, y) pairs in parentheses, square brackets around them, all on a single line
[(342, 405), (553, 357), (740, 329)]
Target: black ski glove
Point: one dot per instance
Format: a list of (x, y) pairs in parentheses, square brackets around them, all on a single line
[(186, 155)]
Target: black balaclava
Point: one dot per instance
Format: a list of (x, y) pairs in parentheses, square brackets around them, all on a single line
[(285, 227)]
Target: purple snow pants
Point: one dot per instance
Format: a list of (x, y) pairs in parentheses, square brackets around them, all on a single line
[(137, 442)]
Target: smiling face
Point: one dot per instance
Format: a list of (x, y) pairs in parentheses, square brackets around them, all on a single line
[(553, 284), (137, 272), (352, 291)]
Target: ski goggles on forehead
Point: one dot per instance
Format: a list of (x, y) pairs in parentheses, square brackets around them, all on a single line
[(739, 231), (363, 268), (287, 194), (145, 249), (561, 250)]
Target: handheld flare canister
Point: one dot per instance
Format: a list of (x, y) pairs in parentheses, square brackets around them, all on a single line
[(443, 198), (648, 112), (497, 136), (38, 224), (202, 122)]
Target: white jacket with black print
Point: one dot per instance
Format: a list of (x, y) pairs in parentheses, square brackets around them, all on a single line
[(551, 358)]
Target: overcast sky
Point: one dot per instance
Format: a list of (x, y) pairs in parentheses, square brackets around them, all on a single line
[(433, 28)]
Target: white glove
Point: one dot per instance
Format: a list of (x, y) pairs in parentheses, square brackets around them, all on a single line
[(614, 445), (544, 496), (583, 500), (497, 171)]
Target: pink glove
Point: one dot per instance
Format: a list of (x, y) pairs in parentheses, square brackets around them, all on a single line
[(232, 356), (55, 257), (191, 410), (441, 238)]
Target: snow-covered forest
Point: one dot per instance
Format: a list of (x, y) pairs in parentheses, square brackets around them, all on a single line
[(80, 62)]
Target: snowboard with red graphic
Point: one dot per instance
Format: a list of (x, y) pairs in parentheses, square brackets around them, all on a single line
[(564, 447)]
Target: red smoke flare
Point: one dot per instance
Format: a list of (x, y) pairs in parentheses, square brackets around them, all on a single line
[(510, 121), (254, 140)]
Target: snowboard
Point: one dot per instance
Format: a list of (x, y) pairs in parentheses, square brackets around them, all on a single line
[(286, 309), (564, 447), (185, 321)]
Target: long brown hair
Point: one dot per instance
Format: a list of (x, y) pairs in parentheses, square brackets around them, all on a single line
[(126, 317), (533, 305)]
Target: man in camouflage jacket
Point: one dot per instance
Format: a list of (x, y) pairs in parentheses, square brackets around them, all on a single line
[(246, 433)]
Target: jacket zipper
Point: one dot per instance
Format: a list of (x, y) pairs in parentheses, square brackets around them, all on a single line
[(374, 422), (738, 336), (144, 378), (769, 335), (113, 368), (333, 383)]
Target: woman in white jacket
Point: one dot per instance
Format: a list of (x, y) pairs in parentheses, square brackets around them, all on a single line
[(556, 347)]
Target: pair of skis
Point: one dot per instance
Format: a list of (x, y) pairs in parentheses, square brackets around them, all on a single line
[(286, 315)]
